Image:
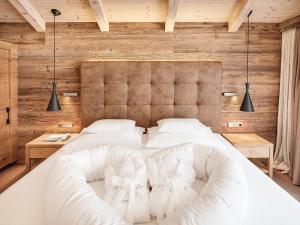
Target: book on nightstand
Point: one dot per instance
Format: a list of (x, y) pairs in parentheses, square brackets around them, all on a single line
[(57, 137)]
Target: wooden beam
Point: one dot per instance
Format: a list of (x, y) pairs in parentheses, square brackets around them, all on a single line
[(25, 8), (100, 14), (171, 17), (290, 24), (239, 14)]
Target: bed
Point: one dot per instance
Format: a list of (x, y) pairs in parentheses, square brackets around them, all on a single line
[(147, 92), (269, 204)]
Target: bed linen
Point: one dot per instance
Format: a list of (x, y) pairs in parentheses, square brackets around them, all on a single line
[(268, 203), (126, 190), (69, 199), (171, 175), (66, 192), (156, 139), (180, 125), (110, 126)]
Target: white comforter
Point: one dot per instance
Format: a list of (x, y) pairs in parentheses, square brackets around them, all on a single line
[(268, 203), (171, 175), (126, 184), (223, 199), (70, 200)]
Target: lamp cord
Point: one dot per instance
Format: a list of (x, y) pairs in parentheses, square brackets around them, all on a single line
[(248, 42), (54, 50)]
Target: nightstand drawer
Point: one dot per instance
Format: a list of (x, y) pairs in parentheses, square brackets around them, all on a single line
[(38, 149), (41, 153), (255, 152), (4, 159)]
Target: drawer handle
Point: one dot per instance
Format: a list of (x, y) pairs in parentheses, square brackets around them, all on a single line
[(8, 115)]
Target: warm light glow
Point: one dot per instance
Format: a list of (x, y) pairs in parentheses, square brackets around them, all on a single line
[(234, 99)]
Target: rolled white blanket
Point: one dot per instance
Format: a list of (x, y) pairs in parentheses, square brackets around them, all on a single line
[(69, 199), (223, 199), (126, 187), (171, 175)]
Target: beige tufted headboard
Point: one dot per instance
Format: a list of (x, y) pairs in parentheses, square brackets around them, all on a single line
[(147, 91)]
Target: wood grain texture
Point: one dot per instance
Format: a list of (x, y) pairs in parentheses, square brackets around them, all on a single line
[(253, 146), (10, 174), (290, 24), (266, 11), (239, 14), (25, 8), (40, 149), (8, 100), (171, 15), (144, 41), (99, 11)]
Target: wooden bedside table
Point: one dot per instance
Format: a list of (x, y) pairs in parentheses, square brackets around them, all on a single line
[(40, 149), (253, 146)]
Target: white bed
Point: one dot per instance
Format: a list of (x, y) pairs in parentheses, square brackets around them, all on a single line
[(269, 204)]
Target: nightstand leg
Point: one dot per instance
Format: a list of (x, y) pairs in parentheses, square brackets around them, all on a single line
[(27, 160), (271, 162)]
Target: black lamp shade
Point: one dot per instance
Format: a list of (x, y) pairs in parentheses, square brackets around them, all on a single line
[(54, 103), (247, 103)]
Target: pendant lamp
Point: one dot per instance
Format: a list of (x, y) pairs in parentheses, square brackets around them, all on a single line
[(54, 103), (247, 103)]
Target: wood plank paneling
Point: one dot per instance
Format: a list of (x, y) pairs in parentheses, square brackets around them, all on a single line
[(8, 101), (144, 41)]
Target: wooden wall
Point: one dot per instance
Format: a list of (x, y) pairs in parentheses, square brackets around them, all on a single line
[(84, 41)]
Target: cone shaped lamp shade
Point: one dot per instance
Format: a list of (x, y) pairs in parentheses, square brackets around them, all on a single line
[(54, 103), (247, 103)]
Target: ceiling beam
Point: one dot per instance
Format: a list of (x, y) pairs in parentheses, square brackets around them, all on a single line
[(25, 8), (290, 24), (171, 17), (100, 14), (239, 14)]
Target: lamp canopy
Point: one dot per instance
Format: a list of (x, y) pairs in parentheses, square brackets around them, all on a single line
[(54, 103), (55, 12), (247, 105)]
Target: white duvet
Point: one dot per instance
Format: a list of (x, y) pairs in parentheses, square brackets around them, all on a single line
[(70, 200), (171, 175), (268, 203), (224, 197)]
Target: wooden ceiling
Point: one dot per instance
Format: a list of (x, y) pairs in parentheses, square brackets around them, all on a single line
[(37, 12)]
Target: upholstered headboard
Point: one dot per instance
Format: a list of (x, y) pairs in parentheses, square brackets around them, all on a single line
[(147, 91)]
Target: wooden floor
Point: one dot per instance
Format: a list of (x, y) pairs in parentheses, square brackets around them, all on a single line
[(9, 175), (285, 182), (282, 180)]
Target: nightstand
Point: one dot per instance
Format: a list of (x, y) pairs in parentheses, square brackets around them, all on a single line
[(253, 146), (41, 149)]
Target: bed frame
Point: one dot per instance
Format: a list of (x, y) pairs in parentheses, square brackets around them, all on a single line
[(147, 91)]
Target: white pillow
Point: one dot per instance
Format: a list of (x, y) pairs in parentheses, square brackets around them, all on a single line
[(131, 138), (180, 125), (110, 126), (156, 139)]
